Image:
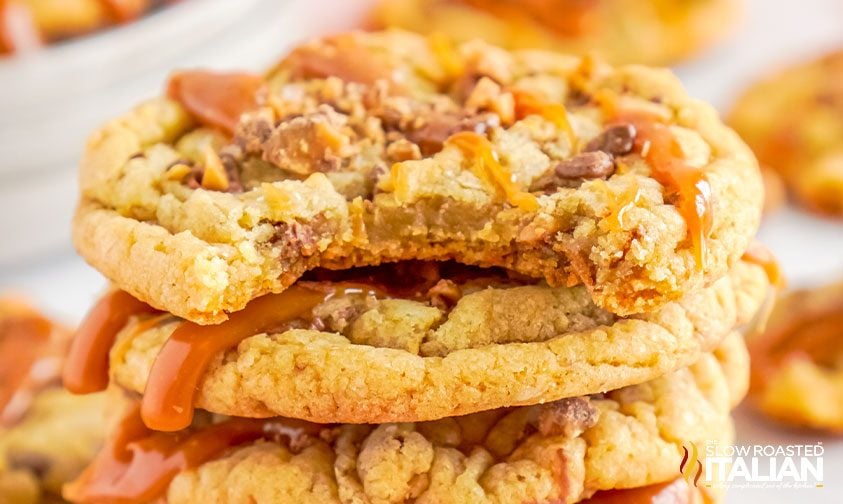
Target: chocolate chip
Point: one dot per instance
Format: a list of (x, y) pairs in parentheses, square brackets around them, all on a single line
[(567, 417), (588, 165), (436, 128), (617, 140)]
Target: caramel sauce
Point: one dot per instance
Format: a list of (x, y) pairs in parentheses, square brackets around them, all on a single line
[(24, 351), (215, 99), (485, 164), (137, 464), (86, 369), (344, 58), (18, 31), (760, 255), (168, 401), (692, 192), (528, 104), (184, 358), (672, 492), (568, 18)]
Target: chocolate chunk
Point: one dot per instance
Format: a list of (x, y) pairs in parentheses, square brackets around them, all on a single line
[(232, 170), (588, 165), (617, 140), (38, 463), (566, 417), (438, 127)]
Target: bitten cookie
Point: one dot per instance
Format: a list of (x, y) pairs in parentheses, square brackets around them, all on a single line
[(368, 148)]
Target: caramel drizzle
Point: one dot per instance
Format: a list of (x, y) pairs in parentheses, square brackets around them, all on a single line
[(138, 465), (658, 146), (168, 402), (341, 56), (485, 165), (760, 255), (215, 99), (184, 358), (527, 104), (24, 345), (86, 369)]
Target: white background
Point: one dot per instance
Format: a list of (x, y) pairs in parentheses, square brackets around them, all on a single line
[(810, 249)]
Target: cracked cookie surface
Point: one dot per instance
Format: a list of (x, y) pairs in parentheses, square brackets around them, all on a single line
[(370, 148), (664, 31), (359, 358), (562, 451)]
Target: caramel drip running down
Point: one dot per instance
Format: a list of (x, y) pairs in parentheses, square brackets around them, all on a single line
[(86, 369), (672, 492), (23, 340), (761, 255), (485, 164), (658, 146), (528, 104), (215, 99), (18, 31), (137, 465), (184, 358)]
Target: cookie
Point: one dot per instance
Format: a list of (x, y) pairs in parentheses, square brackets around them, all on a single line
[(653, 32), (797, 363), (794, 122), (562, 451), (27, 24), (371, 148), (348, 350), (47, 435)]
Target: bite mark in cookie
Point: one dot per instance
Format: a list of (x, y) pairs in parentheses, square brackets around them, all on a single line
[(505, 164)]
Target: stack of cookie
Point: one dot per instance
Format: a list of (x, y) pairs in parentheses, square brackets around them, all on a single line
[(399, 270)]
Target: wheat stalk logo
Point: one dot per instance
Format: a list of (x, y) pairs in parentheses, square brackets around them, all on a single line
[(690, 461)]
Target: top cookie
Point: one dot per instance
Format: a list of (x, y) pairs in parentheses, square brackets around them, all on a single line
[(794, 122), (654, 32), (365, 148)]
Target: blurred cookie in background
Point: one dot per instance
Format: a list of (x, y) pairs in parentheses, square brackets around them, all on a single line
[(793, 121), (775, 191), (28, 24), (47, 435), (797, 362), (622, 31)]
